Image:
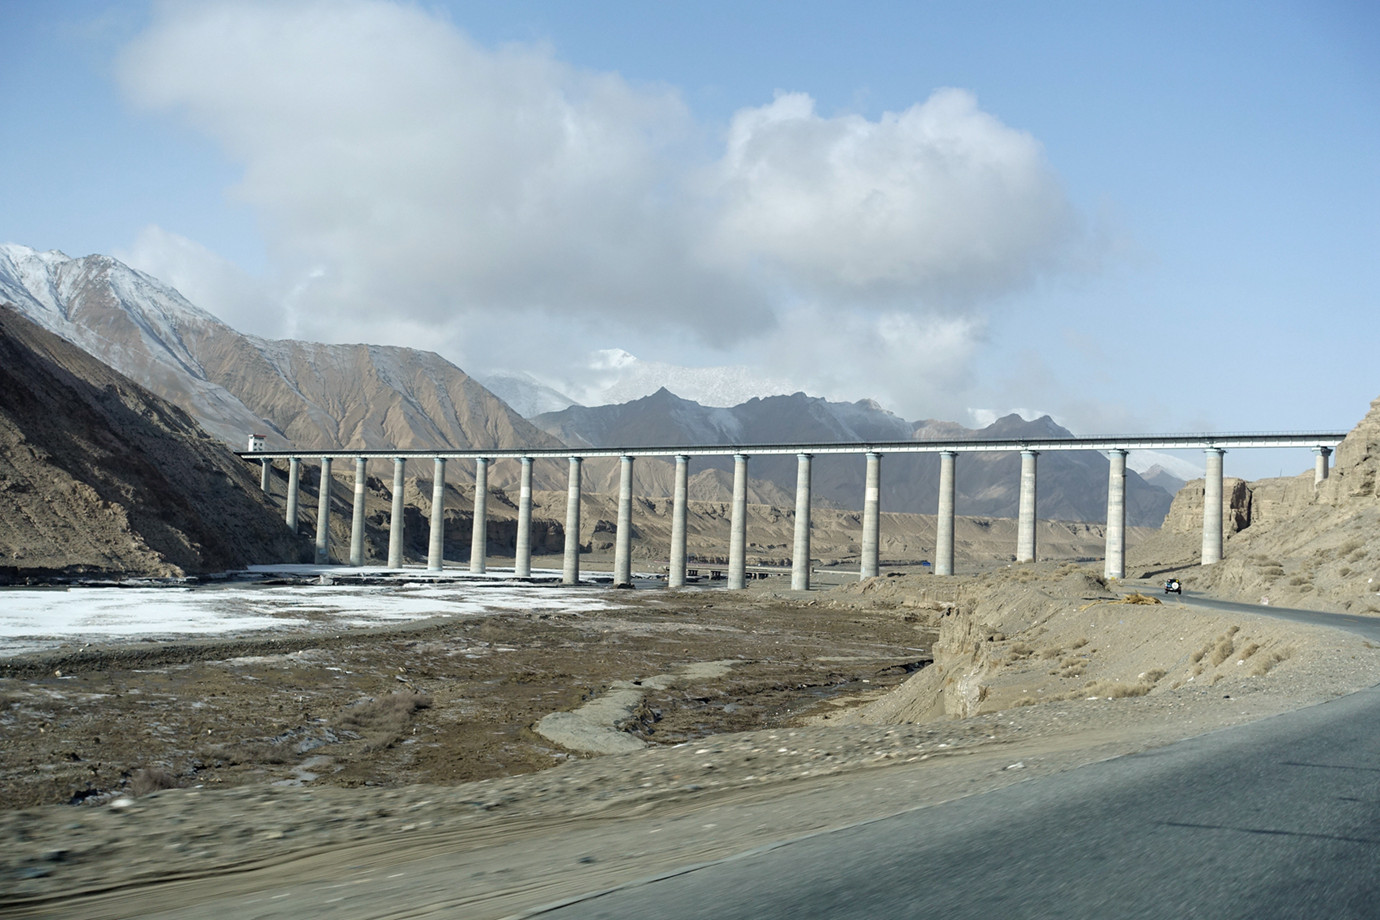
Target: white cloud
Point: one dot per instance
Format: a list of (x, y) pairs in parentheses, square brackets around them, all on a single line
[(939, 205), (511, 210)]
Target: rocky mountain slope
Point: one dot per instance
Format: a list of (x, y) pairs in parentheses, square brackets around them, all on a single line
[(1073, 484), (302, 393), (1288, 541), (99, 475)]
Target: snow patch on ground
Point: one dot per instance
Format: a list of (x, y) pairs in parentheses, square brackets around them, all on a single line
[(35, 619)]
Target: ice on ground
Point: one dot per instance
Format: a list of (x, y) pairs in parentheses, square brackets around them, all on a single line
[(36, 619)]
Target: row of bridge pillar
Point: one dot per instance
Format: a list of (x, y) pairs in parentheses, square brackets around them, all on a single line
[(1114, 566)]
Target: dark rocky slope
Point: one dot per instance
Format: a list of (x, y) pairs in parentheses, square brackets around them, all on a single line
[(99, 475)]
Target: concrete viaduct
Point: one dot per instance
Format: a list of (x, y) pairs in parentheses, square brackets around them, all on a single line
[(1115, 447)]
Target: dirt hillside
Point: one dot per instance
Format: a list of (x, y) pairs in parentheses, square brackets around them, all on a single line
[(99, 475)]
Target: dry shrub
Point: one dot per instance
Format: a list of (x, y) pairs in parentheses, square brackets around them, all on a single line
[(1052, 652), (388, 714), (383, 720), (1350, 546), (1248, 651), (1071, 667), (1021, 650), (1138, 598), (1265, 663), (1298, 580), (1080, 642), (152, 779), (1222, 651)]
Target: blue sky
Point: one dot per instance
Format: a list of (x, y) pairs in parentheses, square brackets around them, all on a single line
[(1134, 217)]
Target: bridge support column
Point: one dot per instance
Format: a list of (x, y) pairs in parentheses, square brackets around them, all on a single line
[(622, 540), (676, 577), (357, 518), (1320, 463), (1115, 564), (294, 489), (872, 518), (1212, 506), (479, 534), (737, 534), (800, 553), (395, 521), (944, 522), (1025, 521), (436, 546), (570, 574), (522, 561), (266, 470), (323, 514)]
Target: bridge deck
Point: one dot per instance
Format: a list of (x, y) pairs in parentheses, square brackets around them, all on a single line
[(1100, 442)]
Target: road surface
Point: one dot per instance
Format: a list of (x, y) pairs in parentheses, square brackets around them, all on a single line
[(1275, 819)]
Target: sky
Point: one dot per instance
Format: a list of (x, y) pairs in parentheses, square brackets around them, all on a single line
[(1134, 217)]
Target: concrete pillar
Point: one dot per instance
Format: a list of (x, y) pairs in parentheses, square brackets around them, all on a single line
[(800, 554), (1025, 521), (265, 470), (1212, 506), (1320, 463), (479, 534), (436, 548), (522, 561), (944, 523), (570, 575), (737, 534), (395, 522), (323, 514), (1115, 563), (622, 540), (872, 517), (357, 520), (294, 487), (676, 577)]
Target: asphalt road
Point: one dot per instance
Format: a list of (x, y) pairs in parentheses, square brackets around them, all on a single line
[(1276, 819)]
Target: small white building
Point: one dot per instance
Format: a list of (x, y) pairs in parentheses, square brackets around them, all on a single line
[(257, 441)]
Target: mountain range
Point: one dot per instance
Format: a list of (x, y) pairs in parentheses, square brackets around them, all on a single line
[(1072, 484), (341, 396), (327, 396)]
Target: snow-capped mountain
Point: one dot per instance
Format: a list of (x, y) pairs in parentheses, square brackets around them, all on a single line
[(304, 394)]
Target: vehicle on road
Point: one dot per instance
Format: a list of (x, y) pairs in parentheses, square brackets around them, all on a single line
[(1173, 586)]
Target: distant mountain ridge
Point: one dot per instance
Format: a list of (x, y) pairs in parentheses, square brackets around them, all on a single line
[(1072, 484), (304, 394)]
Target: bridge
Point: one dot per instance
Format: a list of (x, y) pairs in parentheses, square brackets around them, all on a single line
[(1116, 448)]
